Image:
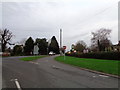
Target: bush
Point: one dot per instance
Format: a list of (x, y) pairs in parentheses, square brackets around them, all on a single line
[(98, 55)]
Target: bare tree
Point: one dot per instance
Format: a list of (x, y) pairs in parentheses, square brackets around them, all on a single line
[(80, 46), (5, 37), (101, 39), (22, 42)]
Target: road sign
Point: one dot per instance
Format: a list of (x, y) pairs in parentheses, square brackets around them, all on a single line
[(64, 47)]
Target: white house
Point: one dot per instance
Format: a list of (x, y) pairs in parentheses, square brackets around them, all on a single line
[(35, 51)]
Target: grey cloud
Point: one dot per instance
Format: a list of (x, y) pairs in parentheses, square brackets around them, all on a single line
[(44, 19)]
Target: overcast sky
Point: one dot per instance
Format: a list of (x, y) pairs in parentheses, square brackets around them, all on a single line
[(77, 19)]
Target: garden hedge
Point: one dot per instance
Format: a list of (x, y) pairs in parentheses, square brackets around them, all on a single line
[(97, 55)]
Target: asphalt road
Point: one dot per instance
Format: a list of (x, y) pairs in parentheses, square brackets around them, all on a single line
[(48, 73)]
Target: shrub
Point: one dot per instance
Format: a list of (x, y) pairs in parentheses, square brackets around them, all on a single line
[(98, 55)]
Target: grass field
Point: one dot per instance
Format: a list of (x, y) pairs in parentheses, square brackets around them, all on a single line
[(30, 58), (106, 66)]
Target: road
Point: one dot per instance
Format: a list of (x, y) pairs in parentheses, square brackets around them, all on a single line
[(48, 73)]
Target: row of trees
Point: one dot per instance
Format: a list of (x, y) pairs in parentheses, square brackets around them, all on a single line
[(99, 41), (43, 46), (27, 46)]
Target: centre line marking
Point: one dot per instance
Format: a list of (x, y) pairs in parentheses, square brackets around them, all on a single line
[(17, 84)]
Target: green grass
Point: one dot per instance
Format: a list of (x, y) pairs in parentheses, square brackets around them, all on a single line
[(30, 58), (106, 66)]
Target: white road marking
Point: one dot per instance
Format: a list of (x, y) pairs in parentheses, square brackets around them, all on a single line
[(94, 76), (103, 76), (16, 83), (33, 62), (53, 66)]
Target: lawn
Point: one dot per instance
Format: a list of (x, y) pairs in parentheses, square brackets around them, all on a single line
[(30, 58), (106, 66)]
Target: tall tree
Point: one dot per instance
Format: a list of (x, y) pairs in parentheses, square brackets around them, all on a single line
[(101, 39), (54, 45), (17, 50), (80, 46), (42, 44), (5, 38), (104, 44), (29, 45)]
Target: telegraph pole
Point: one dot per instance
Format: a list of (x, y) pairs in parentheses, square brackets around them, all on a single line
[(60, 42)]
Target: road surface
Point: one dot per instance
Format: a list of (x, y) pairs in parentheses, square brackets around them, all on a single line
[(48, 73)]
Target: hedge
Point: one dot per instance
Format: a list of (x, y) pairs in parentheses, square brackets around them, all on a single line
[(97, 55)]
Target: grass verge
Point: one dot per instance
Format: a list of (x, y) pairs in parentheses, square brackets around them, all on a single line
[(30, 58), (106, 66)]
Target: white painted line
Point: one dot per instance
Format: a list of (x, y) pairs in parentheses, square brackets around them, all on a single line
[(36, 63), (55, 67), (17, 84), (94, 76), (103, 76), (33, 62)]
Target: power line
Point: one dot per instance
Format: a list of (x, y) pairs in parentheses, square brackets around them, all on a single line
[(83, 22), (103, 10)]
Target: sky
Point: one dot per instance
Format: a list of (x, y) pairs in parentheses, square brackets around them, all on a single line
[(45, 18)]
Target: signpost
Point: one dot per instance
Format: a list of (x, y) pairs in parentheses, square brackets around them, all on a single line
[(64, 47), (49, 42)]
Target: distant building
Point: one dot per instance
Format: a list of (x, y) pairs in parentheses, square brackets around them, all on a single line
[(85, 51), (35, 51), (114, 47), (72, 48)]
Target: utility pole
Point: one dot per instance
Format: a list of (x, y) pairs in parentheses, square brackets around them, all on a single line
[(49, 41), (60, 42)]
